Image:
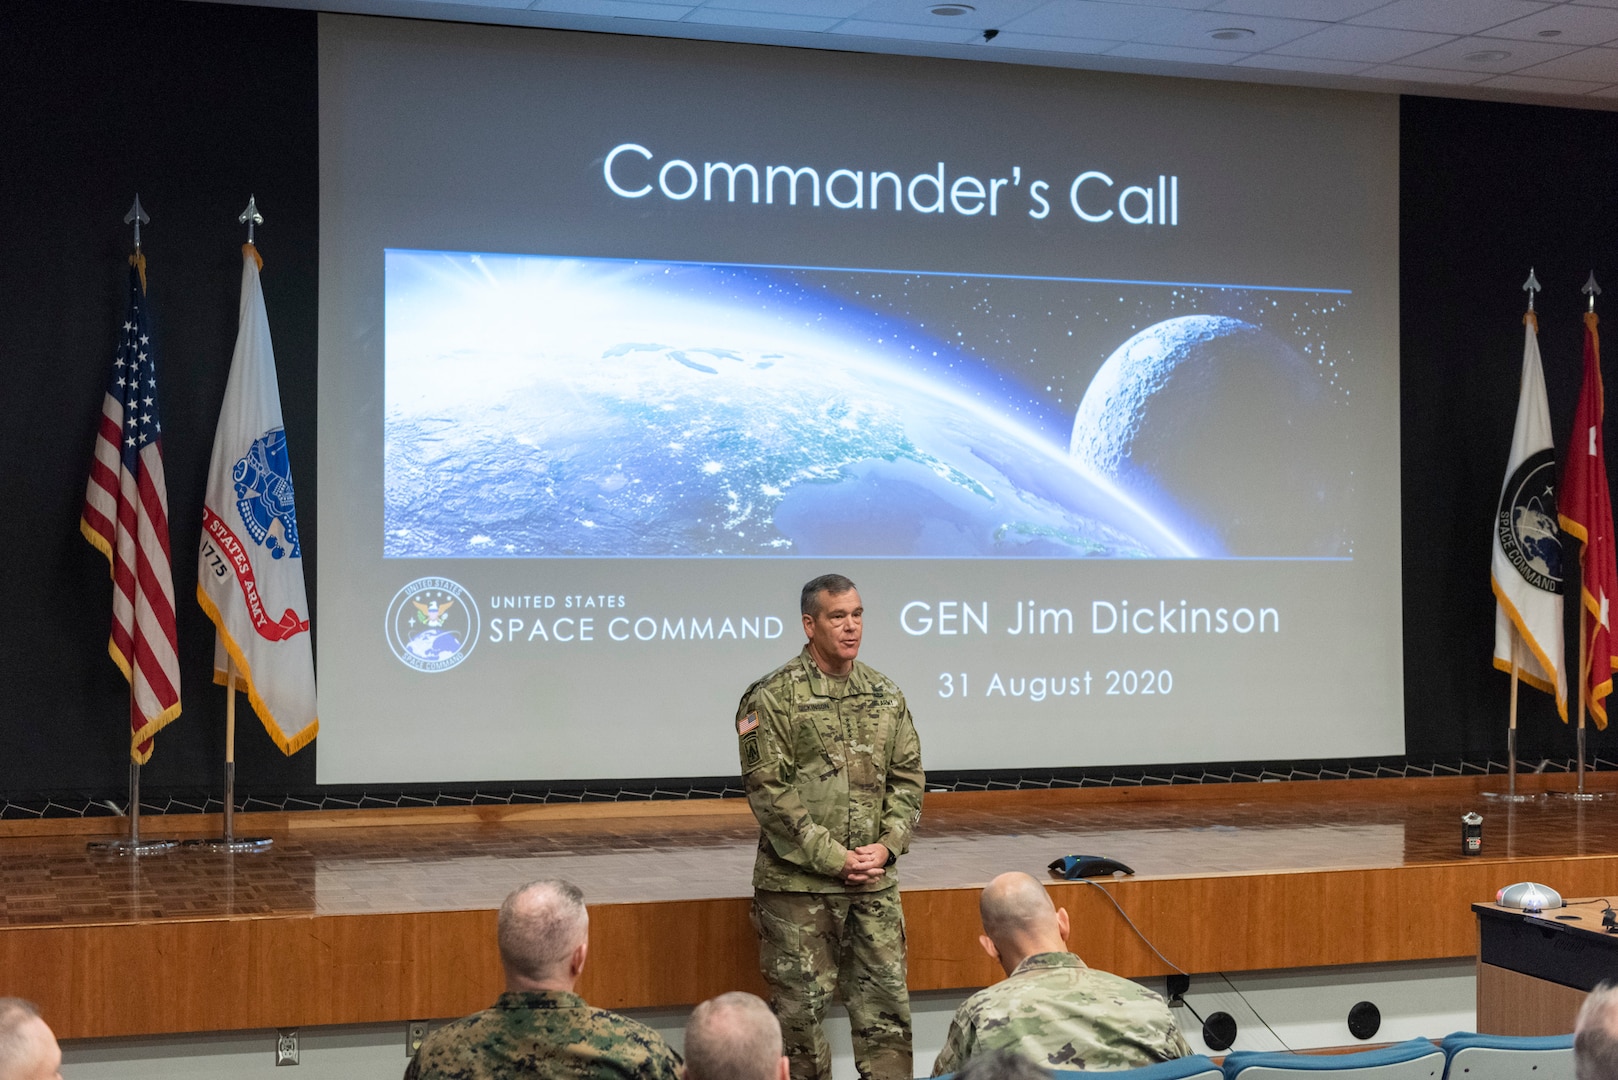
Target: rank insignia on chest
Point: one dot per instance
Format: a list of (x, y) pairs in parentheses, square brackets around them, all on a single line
[(747, 723)]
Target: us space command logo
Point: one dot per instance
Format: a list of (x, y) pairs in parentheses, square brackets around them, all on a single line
[(1527, 526), (432, 624)]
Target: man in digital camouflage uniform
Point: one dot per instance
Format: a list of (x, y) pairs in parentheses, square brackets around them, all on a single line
[(539, 1027), (833, 771), (1050, 1007)]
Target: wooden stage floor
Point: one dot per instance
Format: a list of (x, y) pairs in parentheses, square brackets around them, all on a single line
[(371, 916)]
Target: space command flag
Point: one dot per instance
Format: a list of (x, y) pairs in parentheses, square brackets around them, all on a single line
[(250, 574), (1527, 567)]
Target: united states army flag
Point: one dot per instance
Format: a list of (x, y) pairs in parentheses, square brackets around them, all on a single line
[(250, 573), (1527, 566)]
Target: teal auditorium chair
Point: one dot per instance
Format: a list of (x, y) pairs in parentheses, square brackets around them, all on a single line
[(1508, 1057), (1416, 1059)]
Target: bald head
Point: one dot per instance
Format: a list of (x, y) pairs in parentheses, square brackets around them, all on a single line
[(1595, 1035), (1019, 920), (544, 930), (28, 1049), (734, 1036)]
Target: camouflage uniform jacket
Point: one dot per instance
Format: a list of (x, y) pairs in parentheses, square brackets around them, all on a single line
[(1056, 1011), (547, 1034), (829, 764)]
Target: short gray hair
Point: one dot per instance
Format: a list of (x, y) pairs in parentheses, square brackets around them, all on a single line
[(15, 1042), (1002, 1065), (1595, 1043), (734, 1036), (830, 584), (540, 926)]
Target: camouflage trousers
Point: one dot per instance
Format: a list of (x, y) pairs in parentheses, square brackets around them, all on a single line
[(811, 945)]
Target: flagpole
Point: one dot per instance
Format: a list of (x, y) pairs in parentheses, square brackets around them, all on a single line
[(1510, 795), (1586, 657), (229, 841), (133, 844)]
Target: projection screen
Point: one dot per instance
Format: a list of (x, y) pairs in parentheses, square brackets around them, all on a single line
[(1090, 382)]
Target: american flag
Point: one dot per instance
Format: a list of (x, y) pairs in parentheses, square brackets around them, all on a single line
[(126, 516)]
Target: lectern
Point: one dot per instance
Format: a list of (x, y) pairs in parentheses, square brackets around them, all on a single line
[(1534, 969)]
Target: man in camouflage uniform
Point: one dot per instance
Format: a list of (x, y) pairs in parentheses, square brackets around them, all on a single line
[(539, 1027), (832, 768), (1051, 1007)]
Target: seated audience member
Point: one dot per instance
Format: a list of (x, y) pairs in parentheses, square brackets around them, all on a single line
[(1595, 1035), (1051, 1007), (28, 1049), (734, 1036), (1002, 1065), (539, 1027)]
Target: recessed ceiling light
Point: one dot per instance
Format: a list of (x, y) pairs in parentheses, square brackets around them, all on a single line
[(1230, 33), (1550, 33), (952, 9), (1487, 56)]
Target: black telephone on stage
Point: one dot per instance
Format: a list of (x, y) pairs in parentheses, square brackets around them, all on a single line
[(1073, 867)]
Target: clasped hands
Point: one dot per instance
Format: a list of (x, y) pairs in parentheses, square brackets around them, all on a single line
[(864, 864)]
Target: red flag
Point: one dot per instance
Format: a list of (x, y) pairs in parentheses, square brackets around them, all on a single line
[(1586, 513), (126, 516)]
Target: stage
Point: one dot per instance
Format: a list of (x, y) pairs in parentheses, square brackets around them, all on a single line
[(358, 917)]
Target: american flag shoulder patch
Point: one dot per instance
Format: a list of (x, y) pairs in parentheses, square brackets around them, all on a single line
[(747, 723)]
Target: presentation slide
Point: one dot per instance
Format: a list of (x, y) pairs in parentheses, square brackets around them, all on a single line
[(1089, 382)]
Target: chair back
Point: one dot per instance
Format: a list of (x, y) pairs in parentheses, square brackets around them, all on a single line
[(1415, 1059), (1471, 1056)]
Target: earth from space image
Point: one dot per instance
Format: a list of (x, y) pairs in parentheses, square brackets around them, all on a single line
[(541, 408)]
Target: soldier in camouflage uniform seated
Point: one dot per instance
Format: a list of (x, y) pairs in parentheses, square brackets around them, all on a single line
[(539, 1027), (832, 768), (1050, 1007), (734, 1036)]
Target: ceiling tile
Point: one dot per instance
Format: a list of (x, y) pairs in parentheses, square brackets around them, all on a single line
[(1315, 10), (763, 20), (985, 13), (1606, 92), (1400, 73), (1520, 54), (474, 3), (824, 9), (1586, 65), (1088, 19), (617, 9), (1448, 16), (1311, 64), (1192, 30), (1577, 26), (958, 35), (1010, 39), (1174, 53), (1545, 86), (1367, 43)]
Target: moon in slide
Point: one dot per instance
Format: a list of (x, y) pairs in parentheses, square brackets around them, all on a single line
[(1228, 424)]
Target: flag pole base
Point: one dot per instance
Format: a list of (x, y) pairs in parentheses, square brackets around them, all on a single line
[(125, 846), (238, 844), (1507, 796)]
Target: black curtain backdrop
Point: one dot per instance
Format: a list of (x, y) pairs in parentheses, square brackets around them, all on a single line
[(1486, 192), (197, 106)]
